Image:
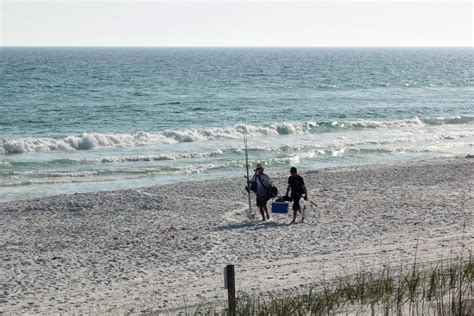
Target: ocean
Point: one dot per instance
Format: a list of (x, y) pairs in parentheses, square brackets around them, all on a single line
[(90, 119)]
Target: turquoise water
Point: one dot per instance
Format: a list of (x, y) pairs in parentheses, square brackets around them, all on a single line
[(88, 119)]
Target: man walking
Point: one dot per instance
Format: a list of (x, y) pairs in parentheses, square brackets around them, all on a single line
[(263, 182), (298, 189)]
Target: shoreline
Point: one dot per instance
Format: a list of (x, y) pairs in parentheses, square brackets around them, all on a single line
[(166, 246), (235, 178)]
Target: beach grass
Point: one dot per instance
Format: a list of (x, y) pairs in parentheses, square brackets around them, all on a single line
[(443, 287)]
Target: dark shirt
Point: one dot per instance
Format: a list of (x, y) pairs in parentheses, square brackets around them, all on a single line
[(296, 184)]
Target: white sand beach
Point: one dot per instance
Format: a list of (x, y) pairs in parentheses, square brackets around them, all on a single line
[(161, 248)]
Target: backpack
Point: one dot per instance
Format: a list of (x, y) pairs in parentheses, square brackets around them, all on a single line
[(272, 191)]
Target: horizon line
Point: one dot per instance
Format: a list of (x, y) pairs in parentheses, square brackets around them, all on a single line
[(233, 46)]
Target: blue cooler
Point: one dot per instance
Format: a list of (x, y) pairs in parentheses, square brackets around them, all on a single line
[(280, 207)]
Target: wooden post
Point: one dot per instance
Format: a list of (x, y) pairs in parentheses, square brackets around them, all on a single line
[(229, 282)]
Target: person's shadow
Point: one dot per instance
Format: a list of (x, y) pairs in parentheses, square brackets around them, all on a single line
[(254, 225)]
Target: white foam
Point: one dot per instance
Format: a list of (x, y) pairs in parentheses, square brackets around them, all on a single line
[(18, 178), (5, 163), (144, 158), (88, 141)]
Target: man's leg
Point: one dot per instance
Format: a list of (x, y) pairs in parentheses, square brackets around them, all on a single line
[(296, 205), (266, 211), (262, 212), (260, 207), (295, 212)]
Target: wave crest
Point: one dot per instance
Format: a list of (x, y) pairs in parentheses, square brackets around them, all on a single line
[(88, 141)]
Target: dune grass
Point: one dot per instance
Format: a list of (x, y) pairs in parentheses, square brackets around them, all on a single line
[(440, 288)]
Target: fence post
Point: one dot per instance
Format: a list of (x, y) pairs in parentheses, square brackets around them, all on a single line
[(229, 282)]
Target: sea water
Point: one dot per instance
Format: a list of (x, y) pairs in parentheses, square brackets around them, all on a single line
[(91, 119)]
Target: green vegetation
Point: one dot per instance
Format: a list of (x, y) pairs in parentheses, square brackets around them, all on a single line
[(440, 288)]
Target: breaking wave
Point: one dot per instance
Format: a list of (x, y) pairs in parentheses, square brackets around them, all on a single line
[(88, 141)]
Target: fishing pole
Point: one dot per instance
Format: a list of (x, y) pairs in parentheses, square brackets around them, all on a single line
[(247, 167), (311, 202)]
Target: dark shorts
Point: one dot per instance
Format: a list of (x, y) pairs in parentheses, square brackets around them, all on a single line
[(262, 200), (296, 201)]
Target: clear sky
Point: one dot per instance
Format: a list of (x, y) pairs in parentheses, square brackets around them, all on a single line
[(236, 23)]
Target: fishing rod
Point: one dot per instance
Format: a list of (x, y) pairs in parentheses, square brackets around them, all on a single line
[(311, 202), (308, 200), (247, 167)]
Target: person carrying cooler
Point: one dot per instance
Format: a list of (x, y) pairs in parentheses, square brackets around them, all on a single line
[(263, 182), (298, 189)]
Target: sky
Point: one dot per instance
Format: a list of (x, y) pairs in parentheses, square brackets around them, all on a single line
[(236, 23)]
